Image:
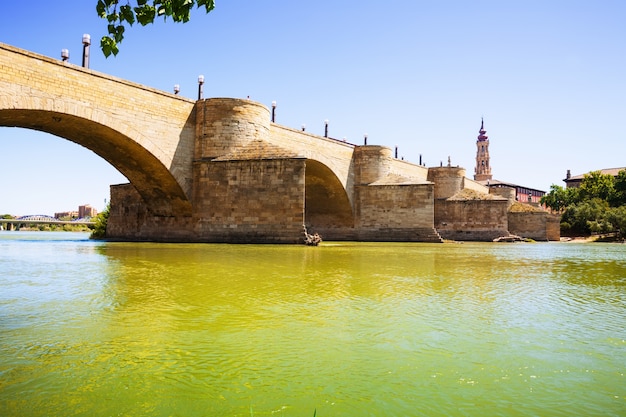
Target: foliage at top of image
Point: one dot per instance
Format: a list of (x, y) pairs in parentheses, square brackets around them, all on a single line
[(144, 12), (597, 206)]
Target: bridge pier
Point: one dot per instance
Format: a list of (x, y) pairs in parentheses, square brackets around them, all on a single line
[(241, 202)]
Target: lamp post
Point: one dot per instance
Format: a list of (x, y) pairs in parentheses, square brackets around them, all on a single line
[(326, 128), (273, 111), (200, 84), (176, 88), (86, 43), (65, 54)]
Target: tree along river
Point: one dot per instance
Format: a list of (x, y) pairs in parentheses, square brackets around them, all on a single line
[(343, 329)]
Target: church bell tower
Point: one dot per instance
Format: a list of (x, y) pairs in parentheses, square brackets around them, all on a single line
[(482, 172)]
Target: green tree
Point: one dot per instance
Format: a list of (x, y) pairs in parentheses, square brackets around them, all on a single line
[(559, 198), (617, 218), (101, 220), (144, 11), (619, 195), (597, 185), (597, 206), (579, 219)]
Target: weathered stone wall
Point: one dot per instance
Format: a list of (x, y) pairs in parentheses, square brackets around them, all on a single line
[(224, 125), (409, 170), (448, 181), (395, 212), (553, 227), (506, 192), (481, 220), (250, 200), (237, 201), (536, 225), (476, 186), (371, 163), (395, 206), (130, 220)]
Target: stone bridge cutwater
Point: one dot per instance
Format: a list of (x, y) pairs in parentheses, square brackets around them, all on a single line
[(218, 170)]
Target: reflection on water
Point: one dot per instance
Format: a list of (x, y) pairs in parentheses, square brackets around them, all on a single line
[(343, 329)]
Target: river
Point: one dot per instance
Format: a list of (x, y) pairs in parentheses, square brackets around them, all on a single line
[(344, 329)]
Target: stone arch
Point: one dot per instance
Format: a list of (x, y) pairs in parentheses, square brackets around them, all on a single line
[(327, 205), (157, 186)]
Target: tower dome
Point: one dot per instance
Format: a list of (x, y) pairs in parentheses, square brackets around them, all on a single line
[(482, 172), (482, 137)]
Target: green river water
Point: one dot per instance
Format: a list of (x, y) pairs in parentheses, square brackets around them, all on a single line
[(344, 329)]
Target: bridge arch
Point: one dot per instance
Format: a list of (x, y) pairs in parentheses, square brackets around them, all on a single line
[(121, 147), (326, 200), (146, 134)]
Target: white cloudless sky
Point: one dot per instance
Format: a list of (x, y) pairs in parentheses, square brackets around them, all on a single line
[(548, 76)]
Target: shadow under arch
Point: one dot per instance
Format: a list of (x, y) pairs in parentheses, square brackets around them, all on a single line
[(326, 201), (157, 186)]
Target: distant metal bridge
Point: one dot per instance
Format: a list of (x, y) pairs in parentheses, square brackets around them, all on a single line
[(42, 219)]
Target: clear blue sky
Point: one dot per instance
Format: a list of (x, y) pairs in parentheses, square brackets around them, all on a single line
[(549, 78)]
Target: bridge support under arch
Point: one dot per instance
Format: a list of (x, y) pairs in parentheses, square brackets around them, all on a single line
[(241, 201)]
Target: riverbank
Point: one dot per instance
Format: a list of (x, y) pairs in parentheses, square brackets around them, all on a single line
[(608, 238)]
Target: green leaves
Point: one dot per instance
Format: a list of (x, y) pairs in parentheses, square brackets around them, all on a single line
[(126, 13), (108, 46), (144, 12), (597, 185)]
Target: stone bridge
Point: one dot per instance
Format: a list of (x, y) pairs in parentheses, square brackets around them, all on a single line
[(215, 170)]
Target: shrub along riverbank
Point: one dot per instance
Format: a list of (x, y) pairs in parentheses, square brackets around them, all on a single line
[(598, 206)]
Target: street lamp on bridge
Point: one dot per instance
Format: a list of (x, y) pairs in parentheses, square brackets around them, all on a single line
[(200, 84), (86, 43)]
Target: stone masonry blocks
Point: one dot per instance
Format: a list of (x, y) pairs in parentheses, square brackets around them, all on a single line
[(225, 124)]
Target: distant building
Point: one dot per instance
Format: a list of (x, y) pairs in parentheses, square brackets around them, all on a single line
[(522, 194), (87, 211), (66, 215), (574, 181), (482, 172)]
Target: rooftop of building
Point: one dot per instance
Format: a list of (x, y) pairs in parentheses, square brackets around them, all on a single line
[(609, 171), (498, 183)]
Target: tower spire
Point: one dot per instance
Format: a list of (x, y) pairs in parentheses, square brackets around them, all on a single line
[(482, 131), (482, 172)]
